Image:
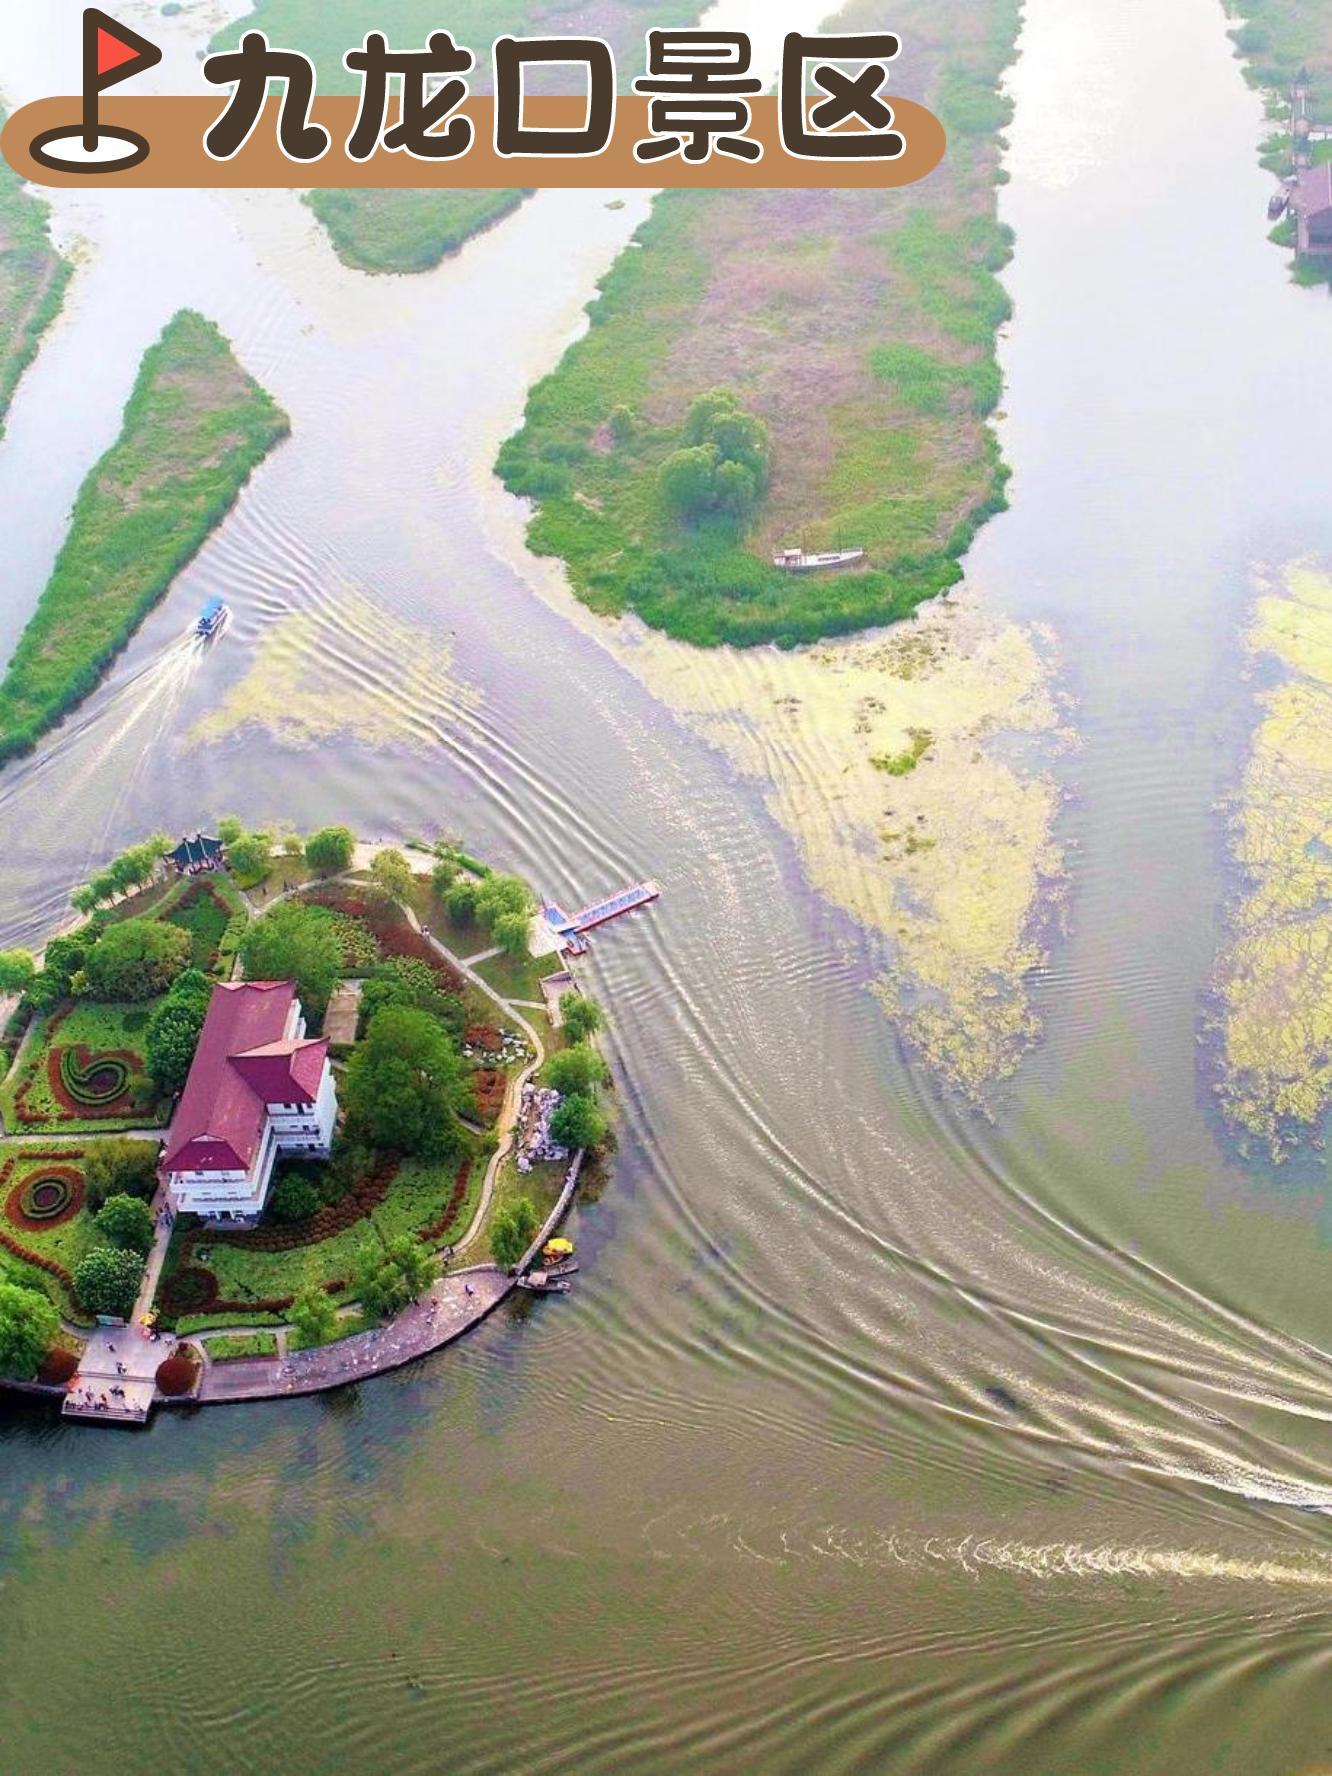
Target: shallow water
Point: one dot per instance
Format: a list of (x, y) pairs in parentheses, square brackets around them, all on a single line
[(878, 1434)]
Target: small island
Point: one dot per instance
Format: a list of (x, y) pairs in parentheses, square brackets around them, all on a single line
[(33, 278), (196, 426), (280, 1114)]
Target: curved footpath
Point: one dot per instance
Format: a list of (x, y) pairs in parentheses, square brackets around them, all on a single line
[(454, 1304)]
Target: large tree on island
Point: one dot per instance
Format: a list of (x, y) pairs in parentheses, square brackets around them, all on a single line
[(390, 1276), (403, 1083), (329, 851), (296, 943), (28, 1328), (135, 959)]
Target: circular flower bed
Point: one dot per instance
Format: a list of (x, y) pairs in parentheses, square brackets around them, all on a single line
[(177, 1375), (46, 1199), (94, 1080)]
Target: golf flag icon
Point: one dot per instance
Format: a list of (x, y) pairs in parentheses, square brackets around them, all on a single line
[(112, 52)]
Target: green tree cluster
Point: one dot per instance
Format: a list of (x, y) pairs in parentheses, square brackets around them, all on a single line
[(403, 1084), (134, 868), (173, 1029), (583, 1017), (391, 870), (63, 960), (313, 1317), (724, 465), (107, 1279), (28, 1328), (578, 1121), (329, 851), (127, 1221), (578, 1069), (390, 1276), (134, 959), (292, 942), (512, 1231), (118, 1166), (17, 969)]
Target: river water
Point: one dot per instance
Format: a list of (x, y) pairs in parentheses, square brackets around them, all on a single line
[(878, 1434)]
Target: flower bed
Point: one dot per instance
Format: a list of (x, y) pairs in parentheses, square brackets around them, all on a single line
[(488, 1088), (45, 1199), (84, 1082)]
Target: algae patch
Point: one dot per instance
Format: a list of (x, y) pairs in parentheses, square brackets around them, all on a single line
[(891, 761), (1274, 979), (344, 669)]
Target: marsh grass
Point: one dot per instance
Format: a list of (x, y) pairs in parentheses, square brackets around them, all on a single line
[(195, 427), (33, 278)]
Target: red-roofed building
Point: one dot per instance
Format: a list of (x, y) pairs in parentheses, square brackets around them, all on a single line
[(258, 1087)]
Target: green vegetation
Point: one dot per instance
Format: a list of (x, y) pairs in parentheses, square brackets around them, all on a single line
[(583, 1017), (329, 851), (513, 1230), (858, 328), (173, 1030), (1277, 39), (29, 1326), (118, 1168), (314, 1318), (58, 1086), (899, 764), (136, 959), (107, 1279), (252, 1344), (195, 428), (391, 1275), (403, 1085), (33, 277), (133, 869), (406, 231), (126, 1222), (293, 941)]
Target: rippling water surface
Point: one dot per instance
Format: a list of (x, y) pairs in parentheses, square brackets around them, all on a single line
[(878, 1435)]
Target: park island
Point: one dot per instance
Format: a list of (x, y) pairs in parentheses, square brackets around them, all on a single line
[(280, 1114)]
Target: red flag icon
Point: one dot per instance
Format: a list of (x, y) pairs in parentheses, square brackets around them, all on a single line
[(112, 52)]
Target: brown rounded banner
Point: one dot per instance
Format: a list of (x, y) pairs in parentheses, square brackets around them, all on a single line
[(174, 130)]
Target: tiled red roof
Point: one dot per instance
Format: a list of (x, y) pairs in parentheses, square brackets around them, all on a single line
[(243, 1062)]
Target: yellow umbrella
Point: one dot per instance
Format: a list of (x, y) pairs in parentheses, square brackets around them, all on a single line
[(561, 1247)]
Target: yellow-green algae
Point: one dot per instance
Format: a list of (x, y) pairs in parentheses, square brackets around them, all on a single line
[(952, 860), (1274, 980), (344, 669)]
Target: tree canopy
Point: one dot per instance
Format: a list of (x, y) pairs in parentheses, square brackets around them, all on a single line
[(118, 1166), (403, 1082), (578, 1069), (329, 851), (106, 1281), (724, 464), (583, 1017), (292, 942), (393, 873), (135, 959), (512, 1231), (390, 1276), (127, 1222), (16, 971), (28, 1328), (578, 1122), (173, 1030), (499, 896), (313, 1316)]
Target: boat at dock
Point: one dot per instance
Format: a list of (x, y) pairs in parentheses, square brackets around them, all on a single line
[(211, 618), (797, 561)]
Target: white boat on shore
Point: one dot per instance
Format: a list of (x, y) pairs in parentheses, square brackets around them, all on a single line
[(796, 560)]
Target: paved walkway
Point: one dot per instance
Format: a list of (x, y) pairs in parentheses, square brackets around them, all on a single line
[(118, 1369)]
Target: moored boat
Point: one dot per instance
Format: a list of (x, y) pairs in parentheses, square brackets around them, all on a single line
[(797, 561)]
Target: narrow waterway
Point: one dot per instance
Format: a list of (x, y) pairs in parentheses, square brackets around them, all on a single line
[(878, 1435)]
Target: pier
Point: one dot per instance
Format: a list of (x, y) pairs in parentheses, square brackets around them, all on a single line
[(571, 929)]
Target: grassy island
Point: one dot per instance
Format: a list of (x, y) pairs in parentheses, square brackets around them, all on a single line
[(854, 334), (195, 427), (33, 277), (412, 231)]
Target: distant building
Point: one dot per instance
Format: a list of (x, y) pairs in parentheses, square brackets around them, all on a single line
[(1312, 205), (198, 853), (258, 1087)]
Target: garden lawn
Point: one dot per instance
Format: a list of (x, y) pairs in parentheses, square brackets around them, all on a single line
[(542, 1184), (417, 1198), (62, 1244), (518, 977), (203, 906), (103, 1029)]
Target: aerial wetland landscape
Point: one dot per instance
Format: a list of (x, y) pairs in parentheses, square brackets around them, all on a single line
[(666, 931)]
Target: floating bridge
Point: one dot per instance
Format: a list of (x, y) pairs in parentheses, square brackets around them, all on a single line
[(571, 929)]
